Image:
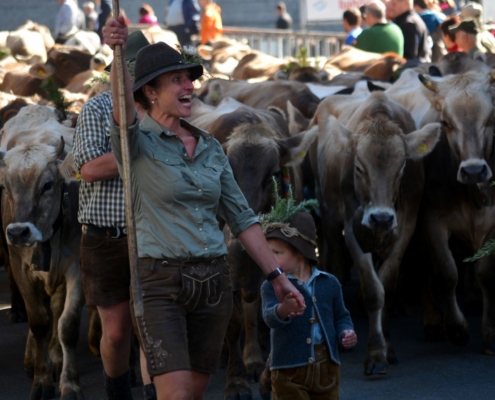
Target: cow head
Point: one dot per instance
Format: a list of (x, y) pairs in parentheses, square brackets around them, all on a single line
[(379, 151), (32, 176), (465, 106), (256, 154)]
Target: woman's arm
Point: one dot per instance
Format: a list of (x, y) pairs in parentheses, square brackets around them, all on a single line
[(255, 244), (115, 33)]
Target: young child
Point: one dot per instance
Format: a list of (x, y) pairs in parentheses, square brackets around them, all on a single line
[(305, 360)]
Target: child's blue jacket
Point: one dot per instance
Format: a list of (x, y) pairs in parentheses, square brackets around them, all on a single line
[(292, 340)]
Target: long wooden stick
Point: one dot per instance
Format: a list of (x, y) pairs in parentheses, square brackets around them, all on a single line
[(126, 169)]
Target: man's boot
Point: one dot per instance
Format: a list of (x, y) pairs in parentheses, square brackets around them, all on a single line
[(149, 391), (118, 388)]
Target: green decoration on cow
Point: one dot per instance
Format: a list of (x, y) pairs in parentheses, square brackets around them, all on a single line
[(56, 97)]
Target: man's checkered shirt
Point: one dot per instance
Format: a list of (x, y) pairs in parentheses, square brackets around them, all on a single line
[(100, 203)]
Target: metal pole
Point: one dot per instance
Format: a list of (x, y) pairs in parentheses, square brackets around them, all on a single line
[(303, 21), (126, 169)]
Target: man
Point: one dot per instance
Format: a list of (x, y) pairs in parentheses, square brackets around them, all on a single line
[(104, 253), (351, 20), (66, 22), (284, 20), (382, 36), (413, 29), (467, 36), (474, 10), (90, 15), (183, 19)]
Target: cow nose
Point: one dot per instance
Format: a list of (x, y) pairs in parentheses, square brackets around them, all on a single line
[(381, 220), (474, 173), (18, 233)]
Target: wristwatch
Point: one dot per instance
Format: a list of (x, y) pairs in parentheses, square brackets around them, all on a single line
[(276, 272)]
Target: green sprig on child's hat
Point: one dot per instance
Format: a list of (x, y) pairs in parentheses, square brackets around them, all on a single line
[(285, 209)]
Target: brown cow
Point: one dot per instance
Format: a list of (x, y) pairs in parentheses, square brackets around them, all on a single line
[(458, 197), (224, 55), (360, 170)]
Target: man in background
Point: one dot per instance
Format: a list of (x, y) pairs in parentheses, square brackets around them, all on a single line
[(351, 20), (413, 29), (473, 10), (381, 36), (467, 36), (284, 20), (183, 19)]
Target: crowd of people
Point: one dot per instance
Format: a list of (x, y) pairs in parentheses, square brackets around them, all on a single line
[(418, 30)]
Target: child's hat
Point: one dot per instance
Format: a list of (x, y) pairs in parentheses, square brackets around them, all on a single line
[(291, 223)]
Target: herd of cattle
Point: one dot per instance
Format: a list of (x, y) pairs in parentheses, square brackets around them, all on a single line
[(386, 161)]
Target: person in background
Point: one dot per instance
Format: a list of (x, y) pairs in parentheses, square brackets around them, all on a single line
[(467, 36), (67, 20), (448, 7), (351, 20), (284, 20), (447, 35), (103, 14), (182, 18), (104, 253), (432, 19), (362, 10), (473, 10), (147, 15), (304, 351), (90, 15), (416, 46), (211, 21), (381, 36)]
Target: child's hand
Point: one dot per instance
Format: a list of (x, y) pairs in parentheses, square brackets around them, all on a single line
[(290, 307), (349, 339)]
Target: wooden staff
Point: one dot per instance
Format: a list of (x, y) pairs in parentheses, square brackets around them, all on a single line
[(126, 169)]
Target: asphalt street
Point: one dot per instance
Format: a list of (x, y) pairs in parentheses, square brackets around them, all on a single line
[(439, 371)]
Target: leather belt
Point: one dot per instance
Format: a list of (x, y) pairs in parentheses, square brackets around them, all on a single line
[(93, 230), (171, 262)]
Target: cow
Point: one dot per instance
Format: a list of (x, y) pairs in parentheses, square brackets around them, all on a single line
[(369, 182), (223, 55), (26, 45), (258, 143), (257, 64), (39, 205), (262, 94), (458, 198)]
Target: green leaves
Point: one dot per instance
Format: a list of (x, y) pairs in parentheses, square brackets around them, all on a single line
[(285, 209), (56, 97), (487, 249)]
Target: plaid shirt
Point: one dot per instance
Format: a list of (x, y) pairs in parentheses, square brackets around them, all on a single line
[(100, 203)]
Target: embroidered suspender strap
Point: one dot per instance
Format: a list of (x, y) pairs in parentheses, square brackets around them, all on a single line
[(286, 182)]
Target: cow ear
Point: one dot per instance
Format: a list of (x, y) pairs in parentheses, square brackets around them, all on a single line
[(68, 169), (422, 142), (214, 93), (205, 52), (341, 136), (3, 167), (294, 149), (296, 120), (41, 71)]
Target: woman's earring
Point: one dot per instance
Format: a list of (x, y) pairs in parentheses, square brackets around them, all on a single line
[(152, 101)]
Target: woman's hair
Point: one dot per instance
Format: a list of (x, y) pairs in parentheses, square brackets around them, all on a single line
[(448, 22), (141, 98), (146, 9)]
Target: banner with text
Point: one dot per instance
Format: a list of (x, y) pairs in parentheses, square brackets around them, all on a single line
[(329, 10)]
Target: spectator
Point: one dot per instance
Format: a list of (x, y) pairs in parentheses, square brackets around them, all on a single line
[(413, 28), (104, 13), (284, 20), (362, 10), (382, 36), (474, 10), (467, 36), (90, 15), (448, 36), (211, 21), (147, 15), (183, 19), (66, 22), (352, 24), (432, 19), (448, 7)]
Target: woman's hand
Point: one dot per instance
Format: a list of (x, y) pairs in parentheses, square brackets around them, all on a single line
[(115, 32)]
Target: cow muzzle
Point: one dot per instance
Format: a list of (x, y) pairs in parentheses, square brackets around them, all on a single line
[(382, 219), (22, 234), (474, 171)]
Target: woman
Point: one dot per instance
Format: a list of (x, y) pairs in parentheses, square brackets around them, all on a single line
[(181, 180), (147, 15)]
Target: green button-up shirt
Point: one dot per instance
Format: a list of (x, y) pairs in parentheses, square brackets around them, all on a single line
[(176, 198)]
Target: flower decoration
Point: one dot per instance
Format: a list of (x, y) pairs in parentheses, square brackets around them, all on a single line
[(189, 55)]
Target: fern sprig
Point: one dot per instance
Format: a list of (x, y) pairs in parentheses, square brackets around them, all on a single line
[(486, 250), (56, 97)]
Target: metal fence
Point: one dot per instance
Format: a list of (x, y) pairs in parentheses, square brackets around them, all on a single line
[(283, 43)]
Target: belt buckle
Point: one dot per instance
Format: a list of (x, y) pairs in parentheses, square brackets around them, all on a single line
[(118, 233), (84, 229)]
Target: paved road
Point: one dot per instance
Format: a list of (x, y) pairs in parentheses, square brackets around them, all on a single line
[(426, 371)]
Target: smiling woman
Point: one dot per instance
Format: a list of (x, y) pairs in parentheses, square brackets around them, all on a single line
[(181, 181)]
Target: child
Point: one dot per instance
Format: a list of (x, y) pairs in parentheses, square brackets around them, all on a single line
[(305, 360)]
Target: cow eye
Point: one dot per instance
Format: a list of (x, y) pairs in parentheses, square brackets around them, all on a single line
[(446, 125), (47, 187), (359, 170)]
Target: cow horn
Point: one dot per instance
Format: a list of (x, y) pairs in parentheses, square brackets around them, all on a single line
[(491, 77), (428, 83), (60, 148)]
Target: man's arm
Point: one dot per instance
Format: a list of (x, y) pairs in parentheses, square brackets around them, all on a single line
[(100, 169)]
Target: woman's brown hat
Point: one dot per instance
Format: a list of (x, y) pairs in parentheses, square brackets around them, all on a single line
[(156, 59), (300, 232)]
